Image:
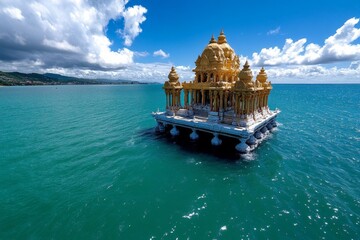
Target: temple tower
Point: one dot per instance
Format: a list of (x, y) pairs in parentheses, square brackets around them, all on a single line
[(172, 89)]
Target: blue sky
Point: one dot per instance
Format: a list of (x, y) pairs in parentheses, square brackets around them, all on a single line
[(307, 41)]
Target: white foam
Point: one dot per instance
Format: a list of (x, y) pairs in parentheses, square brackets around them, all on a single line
[(190, 215), (251, 156)]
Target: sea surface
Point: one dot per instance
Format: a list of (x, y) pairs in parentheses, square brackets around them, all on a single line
[(84, 162)]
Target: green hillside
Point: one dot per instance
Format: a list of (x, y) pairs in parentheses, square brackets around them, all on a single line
[(23, 79)]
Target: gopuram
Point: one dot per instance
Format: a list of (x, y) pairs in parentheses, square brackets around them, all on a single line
[(222, 99)]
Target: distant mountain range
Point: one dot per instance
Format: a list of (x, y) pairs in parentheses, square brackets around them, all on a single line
[(23, 79)]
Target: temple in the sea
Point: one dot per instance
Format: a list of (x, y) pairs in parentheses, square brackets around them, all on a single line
[(222, 99)]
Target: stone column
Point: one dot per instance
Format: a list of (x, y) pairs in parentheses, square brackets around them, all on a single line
[(202, 97), (221, 100), (215, 101)]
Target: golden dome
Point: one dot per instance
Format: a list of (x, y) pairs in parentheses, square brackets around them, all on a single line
[(217, 55), (173, 76), (228, 51), (222, 38), (245, 74), (262, 76), (213, 52)]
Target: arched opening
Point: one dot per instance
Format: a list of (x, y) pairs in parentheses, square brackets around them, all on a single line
[(205, 77)]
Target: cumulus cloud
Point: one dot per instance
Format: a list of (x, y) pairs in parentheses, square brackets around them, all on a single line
[(14, 13), (274, 31), (161, 53), (338, 47), (66, 33), (133, 17)]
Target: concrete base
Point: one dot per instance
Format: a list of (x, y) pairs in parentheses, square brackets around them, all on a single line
[(253, 133)]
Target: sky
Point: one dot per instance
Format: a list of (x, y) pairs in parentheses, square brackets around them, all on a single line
[(296, 41)]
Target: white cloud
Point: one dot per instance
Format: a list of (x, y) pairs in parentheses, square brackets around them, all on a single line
[(274, 31), (133, 17), (183, 68), (141, 54), (66, 33), (338, 47), (14, 13), (161, 53)]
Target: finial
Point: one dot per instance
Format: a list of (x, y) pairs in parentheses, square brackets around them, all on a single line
[(222, 38), (212, 40), (246, 64)]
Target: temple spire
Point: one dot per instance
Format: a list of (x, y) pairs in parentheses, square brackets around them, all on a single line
[(222, 37), (212, 40), (173, 76)]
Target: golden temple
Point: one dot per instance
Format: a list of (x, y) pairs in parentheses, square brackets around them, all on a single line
[(222, 99)]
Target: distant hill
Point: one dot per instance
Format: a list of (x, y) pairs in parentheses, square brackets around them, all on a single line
[(23, 79)]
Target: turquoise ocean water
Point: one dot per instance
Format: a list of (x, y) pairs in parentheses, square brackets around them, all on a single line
[(83, 162)]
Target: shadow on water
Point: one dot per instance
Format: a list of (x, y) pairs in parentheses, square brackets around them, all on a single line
[(226, 152)]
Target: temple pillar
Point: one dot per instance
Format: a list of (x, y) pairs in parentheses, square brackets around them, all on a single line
[(176, 98), (173, 98), (221, 100), (226, 97), (243, 105), (215, 101), (192, 96), (247, 101), (186, 98), (236, 110), (202, 97), (211, 100)]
